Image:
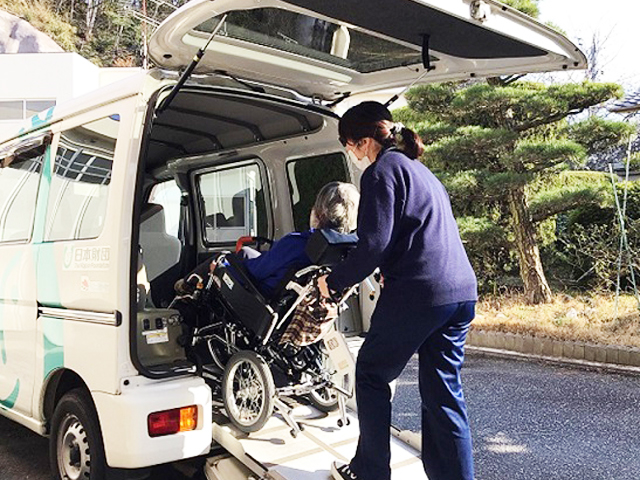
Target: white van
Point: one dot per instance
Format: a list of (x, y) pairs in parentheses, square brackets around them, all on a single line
[(100, 190)]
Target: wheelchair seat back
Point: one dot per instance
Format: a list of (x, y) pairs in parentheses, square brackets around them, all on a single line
[(246, 303), (329, 247)]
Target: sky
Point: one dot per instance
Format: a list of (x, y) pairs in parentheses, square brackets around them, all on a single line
[(615, 22)]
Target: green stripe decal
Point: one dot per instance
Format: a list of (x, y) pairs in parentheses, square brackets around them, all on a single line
[(46, 277), (37, 121), (10, 401), (3, 288), (43, 196), (53, 330)]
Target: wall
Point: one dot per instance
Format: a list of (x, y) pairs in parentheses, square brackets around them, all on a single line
[(49, 76)]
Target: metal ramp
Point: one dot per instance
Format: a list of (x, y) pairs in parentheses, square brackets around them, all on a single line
[(273, 454)]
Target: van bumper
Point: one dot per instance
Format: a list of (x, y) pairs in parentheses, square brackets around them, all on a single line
[(123, 420)]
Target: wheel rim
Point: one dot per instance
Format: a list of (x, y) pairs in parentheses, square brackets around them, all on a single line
[(325, 395), (246, 393), (74, 457)]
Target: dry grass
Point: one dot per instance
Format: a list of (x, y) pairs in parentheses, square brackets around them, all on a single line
[(591, 318)]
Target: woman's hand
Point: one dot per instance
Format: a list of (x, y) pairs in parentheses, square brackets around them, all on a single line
[(323, 287)]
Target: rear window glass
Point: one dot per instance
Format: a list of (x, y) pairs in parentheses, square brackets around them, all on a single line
[(306, 177), (314, 38), (234, 204)]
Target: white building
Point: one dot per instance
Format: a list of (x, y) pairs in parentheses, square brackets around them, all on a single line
[(32, 82)]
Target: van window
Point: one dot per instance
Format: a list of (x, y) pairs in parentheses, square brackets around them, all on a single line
[(306, 177), (19, 181), (80, 185), (234, 204), (168, 195)]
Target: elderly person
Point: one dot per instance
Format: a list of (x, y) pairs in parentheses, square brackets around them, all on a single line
[(336, 207)]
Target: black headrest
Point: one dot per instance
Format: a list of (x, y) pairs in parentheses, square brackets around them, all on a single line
[(328, 247)]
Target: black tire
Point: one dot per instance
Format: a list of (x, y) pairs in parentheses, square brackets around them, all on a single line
[(76, 451), (324, 399), (248, 391)]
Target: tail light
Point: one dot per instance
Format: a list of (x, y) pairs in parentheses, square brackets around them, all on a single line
[(168, 422)]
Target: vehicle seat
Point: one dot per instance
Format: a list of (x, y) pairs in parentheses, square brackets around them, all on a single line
[(160, 251)]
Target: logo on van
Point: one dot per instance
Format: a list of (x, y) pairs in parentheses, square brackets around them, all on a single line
[(86, 258)]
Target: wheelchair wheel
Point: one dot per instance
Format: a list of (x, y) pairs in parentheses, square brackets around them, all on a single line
[(248, 391), (324, 399)]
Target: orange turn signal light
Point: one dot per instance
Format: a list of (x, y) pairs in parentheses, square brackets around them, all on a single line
[(172, 421)]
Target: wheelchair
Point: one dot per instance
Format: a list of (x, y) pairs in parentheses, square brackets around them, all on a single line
[(251, 369)]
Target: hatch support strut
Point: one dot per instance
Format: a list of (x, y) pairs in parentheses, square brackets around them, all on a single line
[(426, 63), (189, 70)]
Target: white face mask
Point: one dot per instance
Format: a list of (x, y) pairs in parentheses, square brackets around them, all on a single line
[(362, 163)]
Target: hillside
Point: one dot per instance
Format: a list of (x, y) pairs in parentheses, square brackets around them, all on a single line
[(106, 32)]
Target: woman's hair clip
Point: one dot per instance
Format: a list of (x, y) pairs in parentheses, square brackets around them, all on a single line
[(396, 128)]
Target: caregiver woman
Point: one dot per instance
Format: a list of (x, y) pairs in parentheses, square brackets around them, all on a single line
[(407, 229)]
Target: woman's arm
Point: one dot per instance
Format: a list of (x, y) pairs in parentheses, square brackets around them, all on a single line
[(376, 219)]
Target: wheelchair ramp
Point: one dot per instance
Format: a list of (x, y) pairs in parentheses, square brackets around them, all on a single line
[(272, 453)]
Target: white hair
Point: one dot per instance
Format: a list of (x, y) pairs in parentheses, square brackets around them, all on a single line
[(336, 207)]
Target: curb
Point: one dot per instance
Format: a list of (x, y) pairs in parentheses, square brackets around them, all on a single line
[(622, 359)]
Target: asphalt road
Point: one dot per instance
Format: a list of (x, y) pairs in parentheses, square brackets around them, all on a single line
[(530, 421), (537, 421)]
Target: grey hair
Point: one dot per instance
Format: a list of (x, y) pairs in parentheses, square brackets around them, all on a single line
[(336, 207)]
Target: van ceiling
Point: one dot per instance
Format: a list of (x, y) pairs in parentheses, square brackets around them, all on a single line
[(200, 121)]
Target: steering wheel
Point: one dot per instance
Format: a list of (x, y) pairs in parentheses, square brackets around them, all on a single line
[(259, 241)]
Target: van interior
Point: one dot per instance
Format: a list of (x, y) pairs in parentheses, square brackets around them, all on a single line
[(204, 186)]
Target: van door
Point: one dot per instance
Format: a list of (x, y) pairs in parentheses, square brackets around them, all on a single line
[(334, 48), (20, 171)]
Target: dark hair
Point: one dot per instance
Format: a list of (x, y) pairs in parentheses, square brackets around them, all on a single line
[(373, 119)]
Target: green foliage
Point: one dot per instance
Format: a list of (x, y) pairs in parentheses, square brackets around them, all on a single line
[(488, 250), (100, 30), (598, 134), (472, 147), (530, 7), (534, 155), (485, 140), (561, 199), (634, 161)]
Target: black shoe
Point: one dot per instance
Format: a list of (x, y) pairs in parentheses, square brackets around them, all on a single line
[(342, 471)]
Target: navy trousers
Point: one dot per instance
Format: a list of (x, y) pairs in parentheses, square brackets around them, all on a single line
[(398, 330)]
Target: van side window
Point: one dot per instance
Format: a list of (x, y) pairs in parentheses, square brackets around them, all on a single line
[(80, 185), (19, 181), (306, 177), (234, 204)]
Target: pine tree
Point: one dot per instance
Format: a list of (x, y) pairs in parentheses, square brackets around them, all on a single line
[(500, 144)]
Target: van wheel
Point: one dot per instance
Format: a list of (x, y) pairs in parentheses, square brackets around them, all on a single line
[(76, 451), (248, 391)]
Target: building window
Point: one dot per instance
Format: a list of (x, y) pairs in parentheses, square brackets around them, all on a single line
[(21, 109)]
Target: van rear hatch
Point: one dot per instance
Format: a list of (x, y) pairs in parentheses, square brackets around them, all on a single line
[(330, 48)]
